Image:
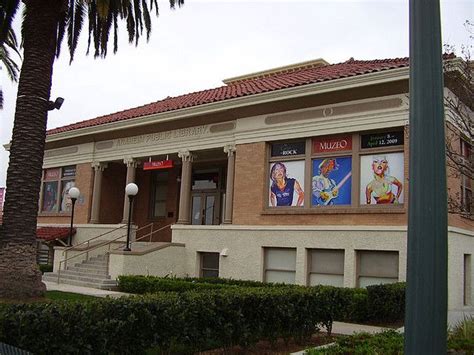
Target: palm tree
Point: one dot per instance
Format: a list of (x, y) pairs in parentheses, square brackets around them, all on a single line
[(7, 62), (45, 24)]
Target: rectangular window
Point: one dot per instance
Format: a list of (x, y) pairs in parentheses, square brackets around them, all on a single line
[(326, 267), (209, 265), (280, 265), (160, 192), (286, 183), (338, 172), (331, 182), (286, 174), (466, 181), (376, 267), (381, 179), (467, 289), (56, 185)]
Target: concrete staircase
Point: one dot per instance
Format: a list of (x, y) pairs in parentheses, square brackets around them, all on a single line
[(90, 273)]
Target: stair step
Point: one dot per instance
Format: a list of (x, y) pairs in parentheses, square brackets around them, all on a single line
[(101, 286), (94, 262), (90, 266), (87, 278), (86, 270), (95, 275)]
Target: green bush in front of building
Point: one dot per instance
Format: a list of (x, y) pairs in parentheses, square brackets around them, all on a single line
[(377, 303), (193, 320)]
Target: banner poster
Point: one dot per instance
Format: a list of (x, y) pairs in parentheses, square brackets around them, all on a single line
[(286, 183), (50, 196), (66, 202), (381, 179), (2, 197), (331, 181)]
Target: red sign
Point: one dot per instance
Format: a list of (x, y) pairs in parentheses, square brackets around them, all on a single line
[(51, 174), (159, 164), (332, 144), (2, 197)]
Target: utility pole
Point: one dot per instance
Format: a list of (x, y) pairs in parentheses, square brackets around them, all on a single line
[(426, 297)]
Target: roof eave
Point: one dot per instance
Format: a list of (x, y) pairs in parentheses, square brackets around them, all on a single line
[(294, 92)]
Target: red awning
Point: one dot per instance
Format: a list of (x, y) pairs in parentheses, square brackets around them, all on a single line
[(52, 233)]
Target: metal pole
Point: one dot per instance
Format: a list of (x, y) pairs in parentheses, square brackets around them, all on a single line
[(130, 198), (73, 200), (426, 297)]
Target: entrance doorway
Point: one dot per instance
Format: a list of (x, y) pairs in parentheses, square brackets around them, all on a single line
[(204, 209), (206, 196)]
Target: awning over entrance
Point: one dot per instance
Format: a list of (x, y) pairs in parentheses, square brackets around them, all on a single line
[(48, 234)]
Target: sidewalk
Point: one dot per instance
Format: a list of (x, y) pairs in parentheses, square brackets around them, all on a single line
[(52, 286)]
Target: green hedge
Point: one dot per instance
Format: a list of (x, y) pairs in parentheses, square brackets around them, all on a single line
[(45, 268), (139, 284), (149, 284), (386, 302), (194, 320), (376, 303), (389, 342)]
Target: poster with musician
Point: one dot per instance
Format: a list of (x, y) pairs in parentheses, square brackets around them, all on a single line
[(286, 183), (331, 181), (381, 179)]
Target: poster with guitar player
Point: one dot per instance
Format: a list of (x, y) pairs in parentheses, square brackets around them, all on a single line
[(332, 181)]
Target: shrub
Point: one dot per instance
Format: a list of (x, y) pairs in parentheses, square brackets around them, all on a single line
[(389, 342), (386, 302), (194, 320), (45, 268), (461, 337), (151, 284), (376, 303)]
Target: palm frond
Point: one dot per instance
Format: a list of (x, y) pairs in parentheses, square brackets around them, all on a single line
[(76, 16), (8, 9), (6, 60)]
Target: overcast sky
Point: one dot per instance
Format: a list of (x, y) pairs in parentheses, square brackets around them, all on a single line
[(197, 46)]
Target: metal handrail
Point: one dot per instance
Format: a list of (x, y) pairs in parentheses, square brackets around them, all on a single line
[(108, 243), (93, 238), (149, 234)]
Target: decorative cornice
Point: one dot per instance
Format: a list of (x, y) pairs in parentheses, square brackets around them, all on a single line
[(229, 149), (299, 91)]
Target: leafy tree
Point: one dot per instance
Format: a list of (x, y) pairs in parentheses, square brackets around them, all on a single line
[(44, 26), (6, 60), (460, 127)]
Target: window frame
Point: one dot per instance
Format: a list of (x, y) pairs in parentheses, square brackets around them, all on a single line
[(356, 153), (60, 181), (153, 185), (310, 263), (467, 202), (265, 259), (374, 275), (201, 263)]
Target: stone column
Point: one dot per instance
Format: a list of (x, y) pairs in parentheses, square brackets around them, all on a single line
[(97, 191), (131, 166), (185, 191), (229, 189)]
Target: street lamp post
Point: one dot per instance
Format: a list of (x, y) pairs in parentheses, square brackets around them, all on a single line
[(130, 190), (74, 195)]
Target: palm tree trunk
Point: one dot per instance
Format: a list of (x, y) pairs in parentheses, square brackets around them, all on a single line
[(19, 274)]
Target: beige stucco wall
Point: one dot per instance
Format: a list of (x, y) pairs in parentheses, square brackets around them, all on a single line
[(166, 261), (245, 244)]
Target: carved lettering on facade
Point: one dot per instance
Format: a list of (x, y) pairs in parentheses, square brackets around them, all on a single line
[(162, 136)]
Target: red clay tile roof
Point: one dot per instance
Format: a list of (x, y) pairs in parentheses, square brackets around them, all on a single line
[(53, 233), (277, 81)]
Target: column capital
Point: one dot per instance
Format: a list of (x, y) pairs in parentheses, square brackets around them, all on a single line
[(186, 155), (229, 149), (130, 162), (99, 166)]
